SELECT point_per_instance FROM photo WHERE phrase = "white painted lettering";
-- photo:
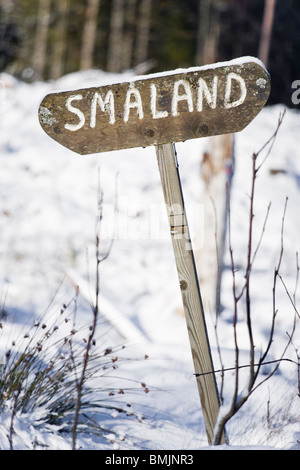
(105, 105)
(155, 114)
(211, 97)
(72, 109)
(136, 103)
(207, 93)
(233, 104)
(186, 96)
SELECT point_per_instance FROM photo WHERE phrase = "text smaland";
(133, 104)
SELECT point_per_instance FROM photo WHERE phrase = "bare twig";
(276, 273)
(245, 366)
(289, 295)
(271, 141)
(95, 309)
(254, 367)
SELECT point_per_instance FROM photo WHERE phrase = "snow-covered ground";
(47, 221)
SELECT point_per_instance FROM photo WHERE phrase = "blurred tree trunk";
(208, 31)
(203, 30)
(143, 32)
(89, 35)
(41, 37)
(59, 45)
(115, 46)
(217, 168)
(266, 31)
(128, 40)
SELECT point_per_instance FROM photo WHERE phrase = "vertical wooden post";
(192, 303)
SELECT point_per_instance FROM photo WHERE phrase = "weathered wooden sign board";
(159, 110)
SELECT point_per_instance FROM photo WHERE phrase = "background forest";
(45, 39)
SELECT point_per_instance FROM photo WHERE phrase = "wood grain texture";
(189, 286)
(152, 110)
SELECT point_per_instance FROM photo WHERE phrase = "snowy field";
(47, 221)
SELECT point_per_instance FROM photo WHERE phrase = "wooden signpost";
(158, 110)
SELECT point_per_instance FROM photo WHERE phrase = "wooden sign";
(158, 109)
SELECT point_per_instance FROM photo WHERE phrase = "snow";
(240, 61)
(47, 220)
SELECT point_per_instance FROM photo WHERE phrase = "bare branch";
(262, 234)
(237, 399)
(244, 366)
(95, 308)
(289, 295)
(271, 141)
